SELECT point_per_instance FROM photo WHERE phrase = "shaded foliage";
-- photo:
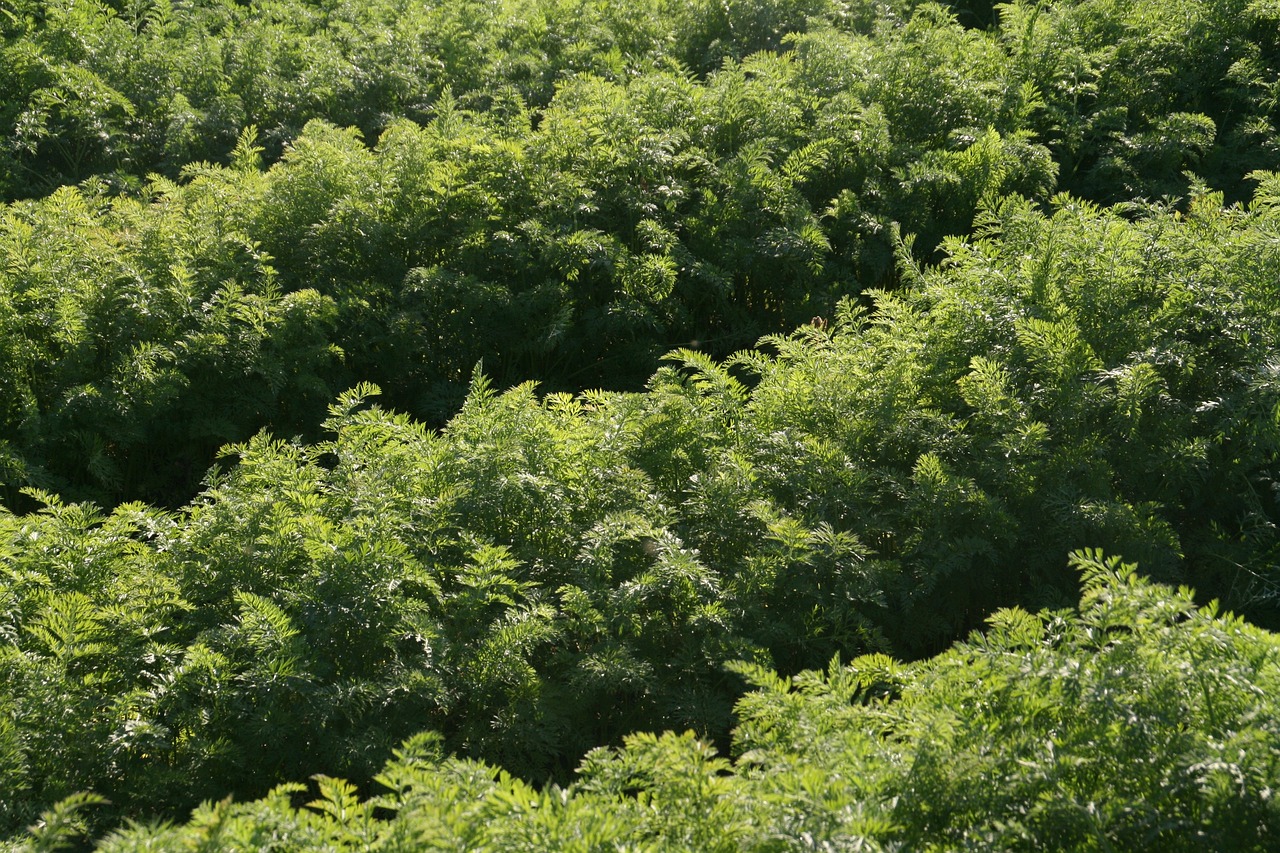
(1136, 721)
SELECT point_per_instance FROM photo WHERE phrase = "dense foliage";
(1137, 722)
(547, 575)
(564, 190)
(1131, 91)
(895, 305)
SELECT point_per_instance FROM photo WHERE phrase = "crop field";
(676, 425)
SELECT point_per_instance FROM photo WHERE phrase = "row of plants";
(571, 234)
(1131, 91)
(549, 574)
(1135, 722)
